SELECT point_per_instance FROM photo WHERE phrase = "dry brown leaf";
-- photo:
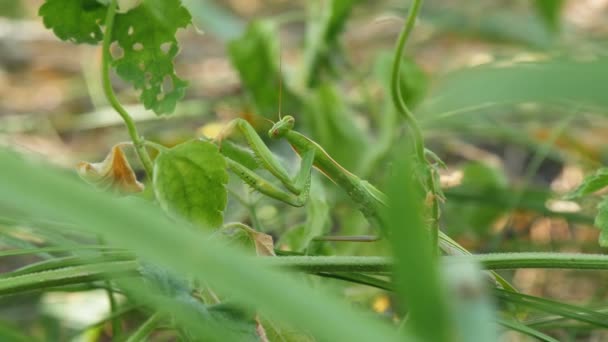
(113, 173)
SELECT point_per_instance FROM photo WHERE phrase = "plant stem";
(138, 141)
(411, 120)
(395, 79)
(494, 261)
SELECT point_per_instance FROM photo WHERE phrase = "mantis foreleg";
(263, 155)
(298, 188)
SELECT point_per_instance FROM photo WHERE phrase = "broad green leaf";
(141, 227)
(145, 35)
(549, 11)
(190, 182)
(255, 56)
(590, 184)
(601, 221)
(74, 20)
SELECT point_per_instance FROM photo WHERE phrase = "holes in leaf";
(116, 51)
(166, 47)
(138, 46)
(167, 85)
(130, 31)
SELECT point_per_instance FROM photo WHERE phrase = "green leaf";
(146, 35)
(74, 20)
(601, 221)
(189, 181)
(590, 184)
(549, 11)
(255, 57)
(326, 24)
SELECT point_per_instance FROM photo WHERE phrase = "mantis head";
(281, 127)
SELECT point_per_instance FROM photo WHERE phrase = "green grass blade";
(141, 227)
(565, 310)
(416, 275)
(524, 329)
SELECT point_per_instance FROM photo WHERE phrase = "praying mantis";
(369, 199)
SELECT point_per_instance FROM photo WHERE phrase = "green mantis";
(369, 199)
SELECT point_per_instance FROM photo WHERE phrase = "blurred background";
(507, 165)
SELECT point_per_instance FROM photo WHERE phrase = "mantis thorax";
(281, 127)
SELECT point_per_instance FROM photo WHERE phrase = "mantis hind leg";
(260, 184)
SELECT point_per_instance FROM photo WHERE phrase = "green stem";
(395, 79)
(411, 120)
(138, 141)
(494, 261)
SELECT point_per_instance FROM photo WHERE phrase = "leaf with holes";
(146, 36)
(189, 182)
(143, 40)
(74, 20)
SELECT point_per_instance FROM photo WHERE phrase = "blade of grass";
(566, 310)
(143, 228)
(416, 274)
(524, 329)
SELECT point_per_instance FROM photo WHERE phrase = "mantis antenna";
(280, 78)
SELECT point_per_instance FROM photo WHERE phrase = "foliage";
(301, 245)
